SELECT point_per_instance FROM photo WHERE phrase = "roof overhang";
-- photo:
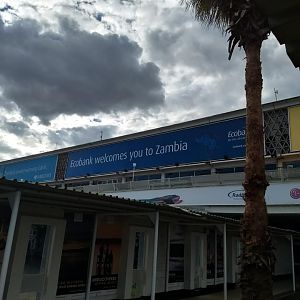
(284, 21)
(36, 194)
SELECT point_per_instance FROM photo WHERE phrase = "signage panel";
(294, 121)
(34, 170)
(276, 193)
(215, 141)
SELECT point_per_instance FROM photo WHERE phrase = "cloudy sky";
(71, 71)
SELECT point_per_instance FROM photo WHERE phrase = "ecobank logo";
(236, 133)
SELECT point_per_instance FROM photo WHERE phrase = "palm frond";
(241, 19)
(214, 13)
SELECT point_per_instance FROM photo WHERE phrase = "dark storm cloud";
(18, 128)
(187, 43)
(8, 105)
(80, 135)
(47, 74)
(197, 48)
(203, 51)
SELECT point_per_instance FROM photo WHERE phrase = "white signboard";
(277, 193)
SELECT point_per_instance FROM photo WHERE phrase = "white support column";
(168, 259)
(89, 279)
(225, 260)
(293, 264)
(9, 241)
(153, 283)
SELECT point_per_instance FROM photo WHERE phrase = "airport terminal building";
(183, 159)
(62, 238)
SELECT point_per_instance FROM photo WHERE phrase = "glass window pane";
(139, 250)
(37, 249)
(202, 172)
(5, 213)
(76, 253)
(176, 255)
(106, 263)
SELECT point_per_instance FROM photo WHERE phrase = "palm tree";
(248, 28)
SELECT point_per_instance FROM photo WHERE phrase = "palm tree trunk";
(257, 257)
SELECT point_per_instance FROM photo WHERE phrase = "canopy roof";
(104, 204)
(284, 19)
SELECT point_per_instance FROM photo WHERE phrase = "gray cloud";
(214, 84)
(47, 74)
(278, 71)
(80, 135)
(188, 43)
(18, 128)
(6, 151)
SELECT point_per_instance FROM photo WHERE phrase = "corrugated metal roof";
(37, 193)
(284, 20)
(41, 194)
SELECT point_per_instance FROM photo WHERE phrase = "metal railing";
(190, 181)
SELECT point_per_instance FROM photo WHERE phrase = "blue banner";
(216, 141)
(33, 170)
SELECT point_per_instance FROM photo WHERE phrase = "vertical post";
(225, 260)
(9, 241)
(167, 259)
(293, 264)
(133, 169)
(90, 269)
(153, 283)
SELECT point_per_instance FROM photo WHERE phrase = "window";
(202, 172)
(75, 254)
(139, 250)
(187, 173)
(141, 177)
(106, 263)
(270, 167)
(172, 175)
(239, 169)
(5, 213)
(155, 176)
(224, 170)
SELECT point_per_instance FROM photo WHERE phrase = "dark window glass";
(141, 177)
(292, 165)
(172, 175)
(270, 167)
(187, 173)
(202, 172)
(224, 170)
(75, 254)
(139, 250)
(5, 213)
(155, 176)
(36, 249)
(239, 169)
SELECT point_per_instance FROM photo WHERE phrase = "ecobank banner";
(35, 170)
(277, 193)
(202, 143)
